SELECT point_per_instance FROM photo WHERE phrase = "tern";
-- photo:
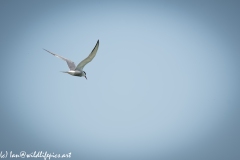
(78, 71)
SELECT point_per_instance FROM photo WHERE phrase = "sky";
(163, 85)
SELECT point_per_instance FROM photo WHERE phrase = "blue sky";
(163, 85)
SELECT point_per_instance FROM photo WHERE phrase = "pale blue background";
(164, 84)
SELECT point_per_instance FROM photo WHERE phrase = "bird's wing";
(71, 64)
(81, 65)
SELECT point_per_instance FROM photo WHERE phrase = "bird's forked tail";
(64, 71)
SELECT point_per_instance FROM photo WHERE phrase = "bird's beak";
(86, 77)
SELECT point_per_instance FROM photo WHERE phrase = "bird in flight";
(78, 71)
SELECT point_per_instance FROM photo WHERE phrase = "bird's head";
(85, 74)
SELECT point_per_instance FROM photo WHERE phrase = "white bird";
(78, 71)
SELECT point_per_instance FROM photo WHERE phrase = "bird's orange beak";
(86, 77)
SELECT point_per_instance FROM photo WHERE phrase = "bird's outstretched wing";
(71, 64)
(81, 65)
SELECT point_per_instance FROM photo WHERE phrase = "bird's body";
(78, 71)
(75, 73)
